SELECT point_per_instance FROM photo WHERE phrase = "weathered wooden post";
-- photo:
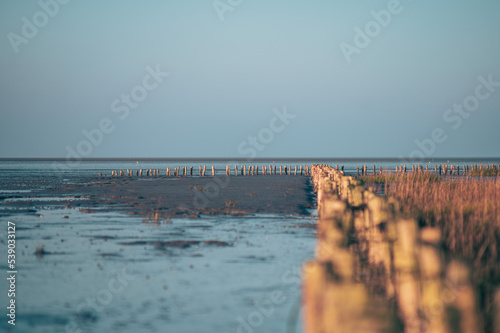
(213, 170)
(463, 297)
(281, 171)
(295, 171)
(190, 170)
(244, 170)
(431, 271)
(301, 170)
(406, 271)
(204, 170)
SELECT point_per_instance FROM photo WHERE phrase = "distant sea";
(86, 168)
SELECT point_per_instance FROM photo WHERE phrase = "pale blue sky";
(226, 77)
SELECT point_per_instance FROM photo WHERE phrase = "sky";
(249, 79)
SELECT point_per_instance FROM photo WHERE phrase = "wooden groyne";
(376, 271)
(438, 169)
(243, 170)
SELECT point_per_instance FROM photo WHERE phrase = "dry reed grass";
(466, 209)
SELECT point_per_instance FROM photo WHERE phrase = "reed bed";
(466, 209)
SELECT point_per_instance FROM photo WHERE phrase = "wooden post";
(204, 170)
(200, 171)
(256, 170)
(281, 171)
(380, 170)
(295, 171)
(285, 170)
(374, 169)
(275, 169)
(191, 171)
(301, 170)
(235, 170)
(244, 170)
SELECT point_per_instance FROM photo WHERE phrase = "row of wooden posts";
(441, 169)
(376, 271)
(244, 170)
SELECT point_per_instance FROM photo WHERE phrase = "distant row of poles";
(253, 170)
(441, 169)
(243, 170)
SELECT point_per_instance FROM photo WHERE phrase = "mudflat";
(165, 197)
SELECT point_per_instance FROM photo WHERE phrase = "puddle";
(15, 191)
(37, 199)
